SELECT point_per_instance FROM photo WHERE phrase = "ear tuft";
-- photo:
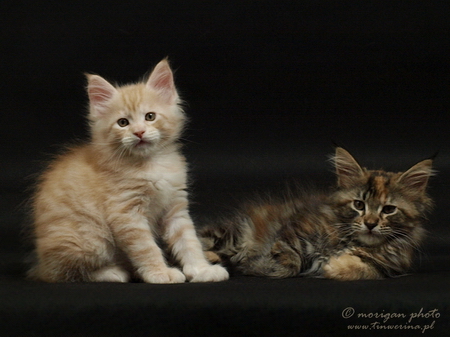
(417, 176)
(100, 93)
(348, 170)
(161, 80)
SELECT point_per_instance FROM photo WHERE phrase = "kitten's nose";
(139, 134)
(370, 225)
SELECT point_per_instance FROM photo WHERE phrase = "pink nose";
(139, 134)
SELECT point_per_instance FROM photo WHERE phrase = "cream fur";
(100, 207)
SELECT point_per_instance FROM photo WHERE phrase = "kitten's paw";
(212, 257)
(111, 274)
(168, 275)
(348, 267)
(206, 273)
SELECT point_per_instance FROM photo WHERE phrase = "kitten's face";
(135, 120)
(376, 211)
(380, 206)
(139, 122)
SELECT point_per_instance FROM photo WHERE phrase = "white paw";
(167, 275)
(111, 274)
(206, 273)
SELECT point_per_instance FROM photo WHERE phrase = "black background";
(269, 86)
(278, 80)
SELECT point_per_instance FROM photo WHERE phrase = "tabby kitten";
(367, 228)
(101, 207)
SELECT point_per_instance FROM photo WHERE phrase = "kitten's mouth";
(142, 143)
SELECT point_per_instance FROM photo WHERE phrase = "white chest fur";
(153, 186)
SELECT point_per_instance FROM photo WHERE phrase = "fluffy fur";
(101, 208)
(366, 228)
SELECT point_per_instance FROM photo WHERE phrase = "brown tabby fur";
(367, 228)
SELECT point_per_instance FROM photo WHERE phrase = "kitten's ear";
(161, 80)
(348, 170)
(417, 176)
(100, 92)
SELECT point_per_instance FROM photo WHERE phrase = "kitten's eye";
(359, 205)
(123, 122)
(389, 209)
(150, 116)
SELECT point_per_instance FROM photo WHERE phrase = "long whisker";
(404, 239)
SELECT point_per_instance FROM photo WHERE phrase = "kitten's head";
(382, 206)
(136, 119)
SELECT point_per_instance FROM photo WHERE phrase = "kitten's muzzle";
(139, 134)
(371, 225)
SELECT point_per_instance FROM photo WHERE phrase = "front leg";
(184, 244)
(348, 267)
(134, 237)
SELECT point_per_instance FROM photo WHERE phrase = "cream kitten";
(101, 207)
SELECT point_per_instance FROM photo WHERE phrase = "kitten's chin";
(370, 239)
(143, 149)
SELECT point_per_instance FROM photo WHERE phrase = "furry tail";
(232, 243)
(220, 240)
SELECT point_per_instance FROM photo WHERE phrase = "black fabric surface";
(243, 306)
(269, 86)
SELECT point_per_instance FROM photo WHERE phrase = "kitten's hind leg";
(110, 274)
(68, 259)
